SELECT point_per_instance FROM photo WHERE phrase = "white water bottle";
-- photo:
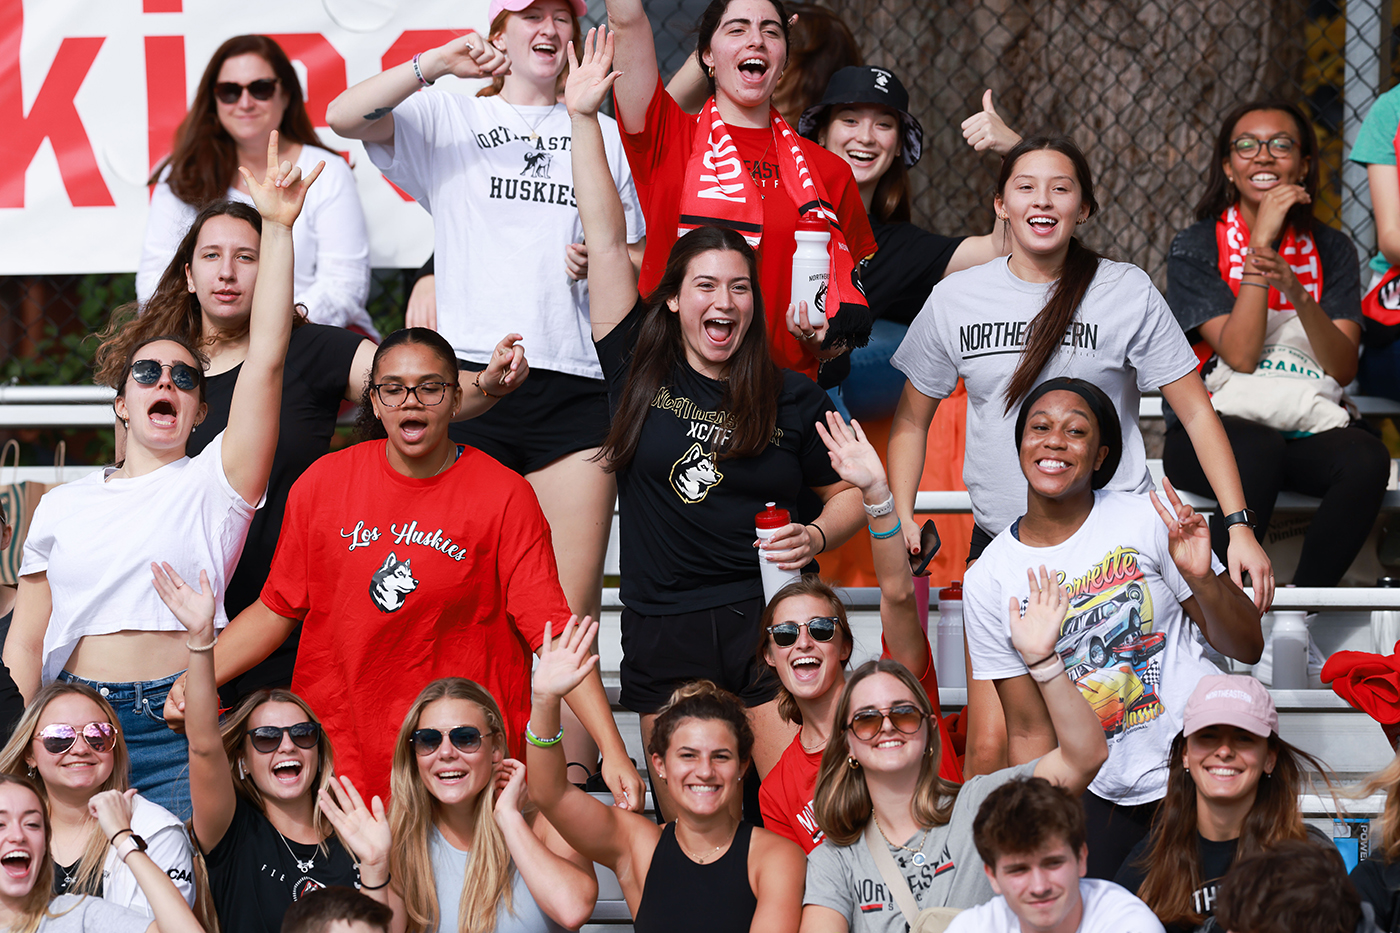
(811, 267)
(952, 672)
(1385, 623)
(1290, 644)
(766, 524)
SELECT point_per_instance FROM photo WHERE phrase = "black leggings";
(1348, 468)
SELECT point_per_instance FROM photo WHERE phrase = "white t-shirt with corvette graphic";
(1126, 641)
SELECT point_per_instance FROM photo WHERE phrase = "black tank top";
(681, 896)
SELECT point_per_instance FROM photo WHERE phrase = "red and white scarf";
(1299, 251)
(719, 192)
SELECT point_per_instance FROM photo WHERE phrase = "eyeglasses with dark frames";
(1280, 147)
(394, 394)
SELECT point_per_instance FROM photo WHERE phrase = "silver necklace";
(535, 127)
(302, 866)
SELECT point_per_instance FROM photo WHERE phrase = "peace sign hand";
(1188, 534)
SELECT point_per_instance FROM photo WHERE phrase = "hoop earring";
(852, 763)
(711, 71)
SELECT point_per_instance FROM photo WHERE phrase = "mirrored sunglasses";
(822, 628)
(59, 737)
(183, 375)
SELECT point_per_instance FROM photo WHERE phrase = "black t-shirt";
(11, 701)
(687, 520)
(1215, 859)
(909, 262)
(313, 384)
(1378, 883)
(254, 876)
(65, 875)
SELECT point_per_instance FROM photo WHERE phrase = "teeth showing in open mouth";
(451, 775)
(288, 769)
(807, 662)
(861, 156)
(1042, 222)
(1053, 464)
(1263, 178)
(544, 47)
(753, 64)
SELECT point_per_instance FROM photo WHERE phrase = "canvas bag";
(19, 501)
(927, 920)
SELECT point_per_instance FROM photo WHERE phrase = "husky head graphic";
(537, 164)
(694, 474)
(391, 583)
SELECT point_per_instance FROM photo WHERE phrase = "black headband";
(1110, 429)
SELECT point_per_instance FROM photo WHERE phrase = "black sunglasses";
(906, 718)
(822, 628)
(228, 92)
(147, 373)
(59, 737)
(268, 739)
(464, 738)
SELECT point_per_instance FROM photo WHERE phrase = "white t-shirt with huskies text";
(1126, 641)
(503, 211)
(1107, 909)
(1123, 339)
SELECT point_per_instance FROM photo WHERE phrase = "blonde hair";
(842, 801)
(1388, 780)
(36, 902)
(235, 735)
(498, 26)
(490, 874)
(13, 761)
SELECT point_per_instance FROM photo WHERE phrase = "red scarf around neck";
(719, 192)
(1300, 252)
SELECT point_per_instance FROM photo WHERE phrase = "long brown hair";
(842, 801)
(36, 902)
(1047, 329)
(205, 158)
(809, 584)
(412, 811)
(498, 26)
(13, 762)
(1220, 193)
(1172, 858)
(819, 45)
(709, 22)
(754, 382)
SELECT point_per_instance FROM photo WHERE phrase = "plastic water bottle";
(1290, 643)
(811, 267)
(766, 524)
(1385, 623)
(952, 672)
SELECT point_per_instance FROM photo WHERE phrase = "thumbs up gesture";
(987, 130)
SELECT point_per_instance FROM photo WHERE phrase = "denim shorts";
(160, 757)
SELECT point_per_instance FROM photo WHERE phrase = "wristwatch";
(132, 843)
(1242, 517)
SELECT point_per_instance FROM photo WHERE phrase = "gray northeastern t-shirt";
(450, 870)
(847, 880)
(79, 914)
(1123, 339)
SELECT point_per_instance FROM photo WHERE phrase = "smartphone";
(929, 543)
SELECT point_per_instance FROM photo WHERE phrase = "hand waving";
(592, 76)
(364, 830)
(194, 608)
(1188, 534)
(281, 193)
(852, 456)
(1034, 634)
(563, 666)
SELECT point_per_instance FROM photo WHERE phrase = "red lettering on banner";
(165, 92)
(161, 6)
(51, 117)
(325, 70)
(409, 43)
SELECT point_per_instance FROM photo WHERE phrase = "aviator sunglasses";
(906, 718)
(183, 375)
(228, 92)
(59, 737)
(464, 738)
(268, 739)
(821, 628)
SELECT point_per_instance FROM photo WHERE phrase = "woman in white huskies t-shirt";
(495, 172)
(1137, 576)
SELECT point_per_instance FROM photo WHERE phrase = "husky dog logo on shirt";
(537, 164)
(694, 474)
(391, 583)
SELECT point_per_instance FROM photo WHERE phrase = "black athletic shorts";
(660, 653)
(550, 416)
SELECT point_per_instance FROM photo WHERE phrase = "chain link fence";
(1140, 84)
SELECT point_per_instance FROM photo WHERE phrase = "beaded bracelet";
(477, 382)
(542, 743)
(882, 535)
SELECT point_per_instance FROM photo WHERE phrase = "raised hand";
(1188, 533)
(512, 795)
(469, 56)
(1034, 634)
(281, 193)
(563, 666)
(194, 608)
(852, 456)
(365, 830)
(1272, 215)
(507, 368)
(590, 77)
(112, 810)
(987, 130)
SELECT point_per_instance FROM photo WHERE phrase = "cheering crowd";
(258, 686)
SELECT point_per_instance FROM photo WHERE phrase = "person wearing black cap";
(1135, 582)
(864, 118)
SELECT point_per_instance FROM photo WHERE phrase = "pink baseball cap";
(515, 6)
(1230, 700)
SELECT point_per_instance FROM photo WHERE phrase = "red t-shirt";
(400, 581)
(785, 796)
(658, 156)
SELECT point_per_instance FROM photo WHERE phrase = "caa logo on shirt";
(693, 475)
(390, 585)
